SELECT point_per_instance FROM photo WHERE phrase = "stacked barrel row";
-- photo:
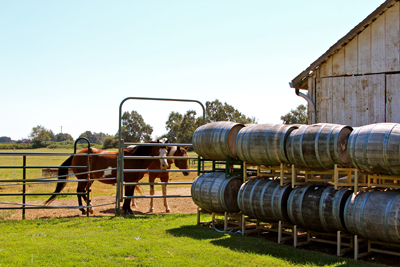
(371, 148)
(318, 146)
(318, 207)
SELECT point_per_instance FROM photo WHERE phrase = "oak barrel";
(263, 144)
(216, 140)
(375, 148)
(318, 207)
(374, 215)
(264, 199)
(318, 146)
(215, 193)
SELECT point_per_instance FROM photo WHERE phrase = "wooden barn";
(357, 81)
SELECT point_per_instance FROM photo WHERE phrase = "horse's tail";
(62, 172)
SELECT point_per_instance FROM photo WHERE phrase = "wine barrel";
(264, 199)
(318, 146)
(215, 193)
(263, 144)
(374, 215)
(216, 140)
(375, 148)
(318, 207)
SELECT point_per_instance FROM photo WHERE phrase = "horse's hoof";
(151, 210)
(168, 211)
(91, 211)
(129, 212)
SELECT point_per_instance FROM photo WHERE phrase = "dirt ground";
(176, 205)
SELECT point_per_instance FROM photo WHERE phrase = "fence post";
(23, 185)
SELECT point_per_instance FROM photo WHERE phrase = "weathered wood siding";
(359, 83)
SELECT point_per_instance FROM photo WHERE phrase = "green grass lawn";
(144, 240)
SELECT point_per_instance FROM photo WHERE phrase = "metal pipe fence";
(45, 180)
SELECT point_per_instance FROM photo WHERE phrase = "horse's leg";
(152, 177)
(164, 191)
(127, 202)
(80, 189)
(85, 199)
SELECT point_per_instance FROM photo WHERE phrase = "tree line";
(179, 128)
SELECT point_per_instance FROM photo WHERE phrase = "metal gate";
(121, 157)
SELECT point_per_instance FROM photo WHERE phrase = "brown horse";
(103, 166)
(176, 151)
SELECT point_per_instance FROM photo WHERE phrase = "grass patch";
(144, 240)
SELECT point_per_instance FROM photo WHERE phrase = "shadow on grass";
(261, 246)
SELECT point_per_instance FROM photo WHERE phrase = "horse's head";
(179, 151)
(162, 152)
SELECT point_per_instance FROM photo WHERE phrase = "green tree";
(298, 115)
(181, 127)
(40, 135)
(134, 129)
(110, 142)
(60, 137)
(173, 125)
(94, 138)
(5, 140)
(216, 111)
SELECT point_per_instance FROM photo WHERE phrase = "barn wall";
(359, 83)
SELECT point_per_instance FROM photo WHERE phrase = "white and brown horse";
(173, 151)
(103, 166)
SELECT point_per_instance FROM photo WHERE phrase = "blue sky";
(71, 63)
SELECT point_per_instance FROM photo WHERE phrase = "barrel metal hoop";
(336, 211)
(386, 220)
(239, 144)
(200, 136)
(316, 143)
(215, 132)
(272, 201)
(210, 190)
(251, 197)
(200, 186)
(346, 207)
(301, 204)
(241, 196)
(335, 145)
(290, 206)
(283, 190)
(220, 198)
(396, 222)
(352, 154)
(301, 148)
(248, 145)
(291, 150)
(262, 198)
(224, 137)
(362, 214)
(202, 142)
(266, 144)
(385, 143)
(282, 144)
(365, 149)
(321, 210)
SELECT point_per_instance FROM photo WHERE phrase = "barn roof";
(301, 80)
